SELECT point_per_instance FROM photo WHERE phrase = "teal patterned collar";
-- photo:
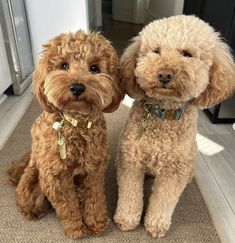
(163, 113)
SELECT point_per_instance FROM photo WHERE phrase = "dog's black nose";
(77, 89)
(165, 76)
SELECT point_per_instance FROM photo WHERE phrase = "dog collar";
(59, 127)
(152, 109)
(74, 122)
(163, 113)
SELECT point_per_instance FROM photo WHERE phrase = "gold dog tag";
(71, 120)
(62, 147)
(89, 124)
(143, 125)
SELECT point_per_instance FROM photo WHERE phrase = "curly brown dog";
(75, 82)
(174, 66)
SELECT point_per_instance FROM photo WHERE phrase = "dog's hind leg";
(30, 198)
(17, 167)
(130, 197)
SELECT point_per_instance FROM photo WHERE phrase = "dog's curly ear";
(39, 75)
(127, 70)
(114, 73)
(118, 92)
(222, 78)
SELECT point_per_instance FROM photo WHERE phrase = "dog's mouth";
(78, 106)
(165, 86)
(163, 91)
(78, 99)
(87, 103)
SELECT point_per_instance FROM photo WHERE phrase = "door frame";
(139, 11)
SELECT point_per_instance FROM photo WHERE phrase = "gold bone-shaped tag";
(142, 126)
(62, 147)
(71, 120)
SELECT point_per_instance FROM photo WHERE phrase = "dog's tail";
(17, 167)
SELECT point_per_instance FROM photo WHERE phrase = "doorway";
(123, 19)
(118, 23)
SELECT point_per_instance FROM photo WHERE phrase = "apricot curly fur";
(204, 75)
(17, 168)
(74, 186)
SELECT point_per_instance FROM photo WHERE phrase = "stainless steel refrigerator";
(13, 20)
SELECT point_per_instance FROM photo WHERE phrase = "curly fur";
(167, 150)
(74, 186)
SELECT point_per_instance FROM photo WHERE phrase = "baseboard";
(12, 109)
(2, 98)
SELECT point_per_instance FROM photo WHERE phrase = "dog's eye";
(157, 51)
(94, 69)
(64, 66)
(186, 53)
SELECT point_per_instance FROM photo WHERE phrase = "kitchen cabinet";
(220, 15)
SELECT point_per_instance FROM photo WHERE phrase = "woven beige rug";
(191, 221)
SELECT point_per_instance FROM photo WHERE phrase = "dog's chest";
(166, 153)
(77, 144)
(84, 146)
(86, 150)
(163, 143)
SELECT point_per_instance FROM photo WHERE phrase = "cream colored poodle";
(174, 66)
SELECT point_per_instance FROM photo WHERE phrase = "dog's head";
(179, 58)
(78, 73)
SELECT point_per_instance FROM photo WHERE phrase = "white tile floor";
(215, 167)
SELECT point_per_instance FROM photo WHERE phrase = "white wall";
(48, 18)
(164, 8)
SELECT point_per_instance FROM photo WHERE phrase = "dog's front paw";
(125, 223)
(157, 227)
(74, 230)
(98, 225)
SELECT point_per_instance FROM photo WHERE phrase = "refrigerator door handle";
(15, 57)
